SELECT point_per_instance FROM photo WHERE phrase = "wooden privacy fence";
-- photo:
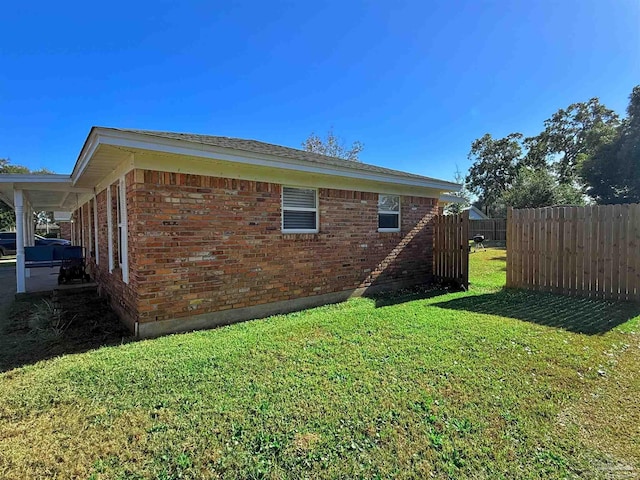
(494, 229)
(451, 248)
(589, 251)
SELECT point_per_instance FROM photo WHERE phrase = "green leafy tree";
(7, 215)
(571, 135)
(538, 187)
(494, 168)
(7, 167)
(612, 172)
(332, 146)
(464, 195)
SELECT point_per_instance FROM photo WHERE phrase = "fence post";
(509, 246)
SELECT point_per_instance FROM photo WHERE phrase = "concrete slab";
(39, 279)
(42, 279)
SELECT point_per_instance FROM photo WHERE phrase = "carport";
(26, 194)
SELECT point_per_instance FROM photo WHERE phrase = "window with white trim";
(123, 251)
(388, 213)
(110, 228)
(90, 227)
(119, 222)
(299, 210)
(95, 230)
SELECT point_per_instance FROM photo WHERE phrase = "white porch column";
(31, 241)
(18, 201)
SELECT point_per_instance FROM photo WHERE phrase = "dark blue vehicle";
(8, 242)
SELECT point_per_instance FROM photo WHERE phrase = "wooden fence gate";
(591, 251)
(451, 249)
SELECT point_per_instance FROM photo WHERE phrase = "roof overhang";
(131, 142)
(43, 192)
(109, 152)
(448, 198)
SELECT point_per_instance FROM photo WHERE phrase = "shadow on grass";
(579, 315)
(31, 333)
(409, 295)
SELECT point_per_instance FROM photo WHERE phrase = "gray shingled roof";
(255, 146)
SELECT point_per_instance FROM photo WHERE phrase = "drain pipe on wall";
(136, 329)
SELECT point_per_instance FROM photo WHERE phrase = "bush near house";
(481, 384)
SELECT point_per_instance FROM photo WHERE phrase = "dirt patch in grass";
(34, 330)
(49, 446)
(305, 442)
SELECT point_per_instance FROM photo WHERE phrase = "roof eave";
(447, 198)
(108, 136)
(34, 178)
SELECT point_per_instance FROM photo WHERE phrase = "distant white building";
(475, 213)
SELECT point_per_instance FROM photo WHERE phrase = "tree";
(538, 187)
(332, 146)
(612, 172)
(7, 215)
(571, 135)
(463, 194)
(495, 164)
(6, 167)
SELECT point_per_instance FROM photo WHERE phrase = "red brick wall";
(204, 244)
(65, 230)
(123, 296)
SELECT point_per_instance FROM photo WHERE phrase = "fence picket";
(608, 261)
(553, 248)
(464, 249)
(635, 243)
(588, 275)
(615, 251)
(548, 222)
(509, 247)
(623, 254)
(572, 248)
(579, 269)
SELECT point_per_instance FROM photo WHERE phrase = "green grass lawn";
(481, 384)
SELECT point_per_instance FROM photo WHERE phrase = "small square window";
(299, 210)
(389, 213)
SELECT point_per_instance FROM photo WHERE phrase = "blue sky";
(417, 82)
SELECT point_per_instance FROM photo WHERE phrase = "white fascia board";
(31, 178)
(62, 216)
(88, 149)
(51, 187)
(451, 198)
(179, 147)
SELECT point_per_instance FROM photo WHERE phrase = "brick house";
(191, 231)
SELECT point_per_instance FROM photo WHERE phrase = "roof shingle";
(258, 147)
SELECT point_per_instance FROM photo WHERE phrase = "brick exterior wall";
(123, 297)
(200, 244)
(65, 230)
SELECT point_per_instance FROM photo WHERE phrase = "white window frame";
(95, 229)
(80, 227)
(110, 227)
(390, 212)
(299, 209)
(89, 230)
(123, 233)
